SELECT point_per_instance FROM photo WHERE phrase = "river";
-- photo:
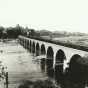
(19, 64)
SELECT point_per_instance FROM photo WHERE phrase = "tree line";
(14, 32)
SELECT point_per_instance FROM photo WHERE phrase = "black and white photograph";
(43, 43)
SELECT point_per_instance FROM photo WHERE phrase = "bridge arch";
(30, 46)
(76, 68)
(49, 62)
(43, 59)
(59, 63)
(37, 49)
(27, 44)
(33, 47)
(24, 43)
(50, 53)
(43, 51)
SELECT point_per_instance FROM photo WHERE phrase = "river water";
(19, 64)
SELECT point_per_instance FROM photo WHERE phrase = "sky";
(53, 15)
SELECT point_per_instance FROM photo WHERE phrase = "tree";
(1, 31)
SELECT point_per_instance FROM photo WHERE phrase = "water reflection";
(42, 64)
(49, 68)
(69, 79)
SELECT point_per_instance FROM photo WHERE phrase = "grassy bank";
(37, 84)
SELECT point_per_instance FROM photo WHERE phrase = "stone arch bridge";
(60, 60)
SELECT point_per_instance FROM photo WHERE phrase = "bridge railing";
(70, 45)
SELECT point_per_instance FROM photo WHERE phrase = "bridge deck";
(70, 45)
